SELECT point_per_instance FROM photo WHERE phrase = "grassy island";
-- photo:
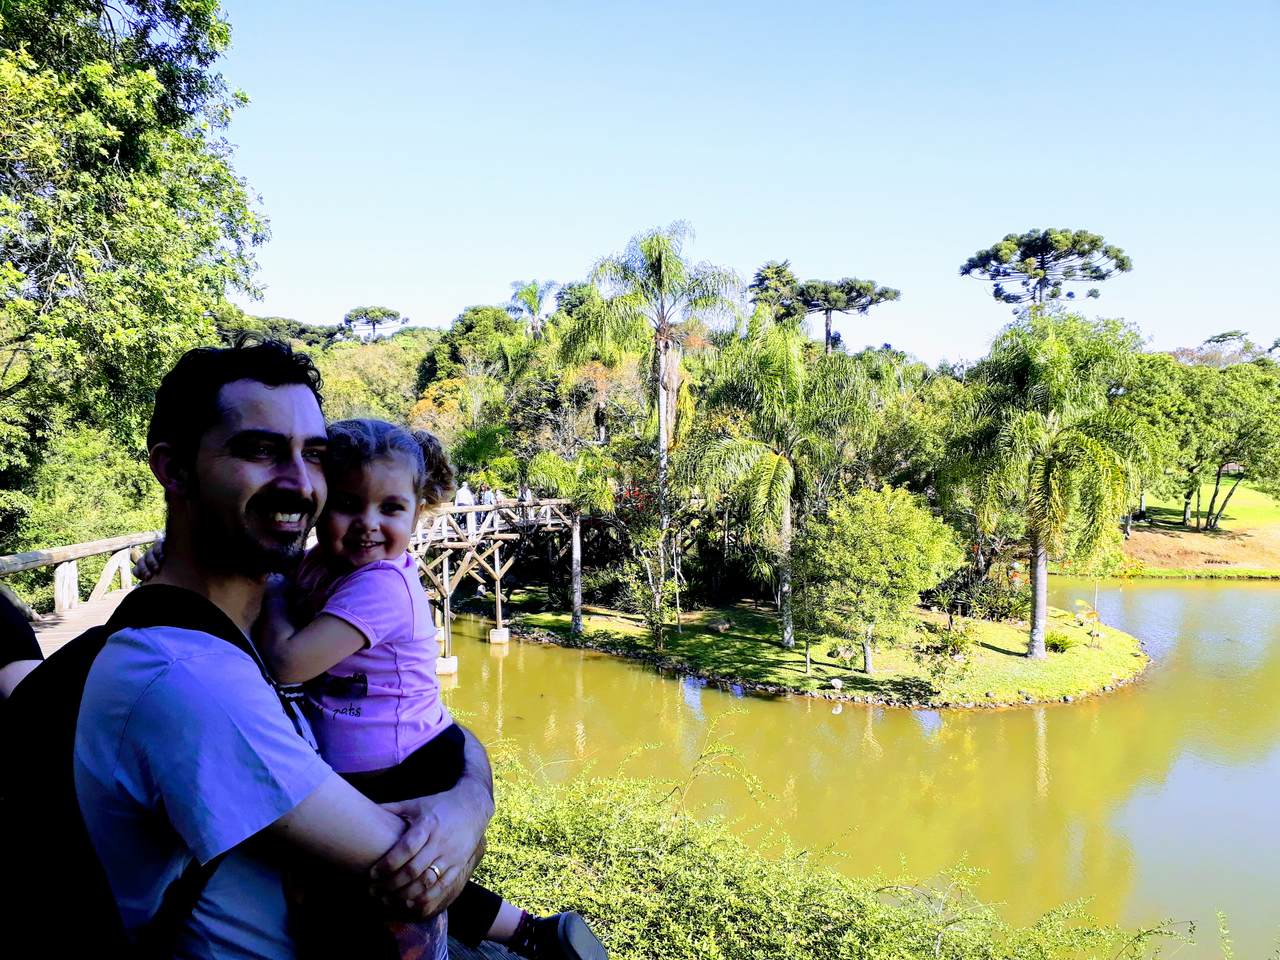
(740, 646)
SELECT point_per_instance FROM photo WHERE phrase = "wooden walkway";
(54, 631)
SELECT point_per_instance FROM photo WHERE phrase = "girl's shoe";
(562, 936)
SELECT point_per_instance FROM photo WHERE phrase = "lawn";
(1249, 508)
(748, 652)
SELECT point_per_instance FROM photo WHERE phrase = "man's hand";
(446, 831)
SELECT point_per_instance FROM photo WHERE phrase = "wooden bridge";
(451, 544)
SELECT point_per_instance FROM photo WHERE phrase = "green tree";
(841, 296)
(587, 480)
(475, 336)
(652, 291)
(774, 284)
(305, 335)
(1044, 435)
(1245, 437)
(375, 378)
(529, 299)
(794, 414)
(123, 226)
(863, 566)
(1040, 262)
(371, 318)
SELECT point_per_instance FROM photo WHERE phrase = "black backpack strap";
(157, 940)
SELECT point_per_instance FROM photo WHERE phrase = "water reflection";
(1156, 800)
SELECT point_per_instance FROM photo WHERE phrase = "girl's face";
(371, 512)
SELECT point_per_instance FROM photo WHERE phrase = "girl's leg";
(473, 915)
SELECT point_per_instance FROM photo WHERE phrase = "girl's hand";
(148, 565)
(273, 625)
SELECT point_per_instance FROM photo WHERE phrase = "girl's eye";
(392, 507)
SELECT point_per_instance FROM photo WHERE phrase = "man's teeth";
(286, 517)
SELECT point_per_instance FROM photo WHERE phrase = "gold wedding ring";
(434, 869)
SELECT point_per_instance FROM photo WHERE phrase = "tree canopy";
(1034, 267)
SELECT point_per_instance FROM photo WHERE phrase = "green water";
(1158, 801)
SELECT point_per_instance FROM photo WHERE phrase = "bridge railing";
(469, 524)
(450, 526)
(66, 573)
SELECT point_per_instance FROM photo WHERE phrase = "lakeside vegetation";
(700, 891)
(739, 647)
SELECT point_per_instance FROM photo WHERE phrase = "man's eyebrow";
(251, 436)
(271, 436)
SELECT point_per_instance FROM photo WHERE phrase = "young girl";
(366, 654)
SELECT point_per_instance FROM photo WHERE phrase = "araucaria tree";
(1033, 267)
(371, 318)
(1044, 436)
(652, 291)
(842, 296)
(863, 566)
(794, 415)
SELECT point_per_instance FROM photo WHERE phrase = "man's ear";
(169, 469)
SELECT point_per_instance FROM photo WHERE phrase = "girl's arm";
(296, 656)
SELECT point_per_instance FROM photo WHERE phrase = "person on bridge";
(488, 499)
(466, 498)
(154, 760)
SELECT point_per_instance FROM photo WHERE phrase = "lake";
(1158, 801)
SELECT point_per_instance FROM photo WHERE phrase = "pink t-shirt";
(383, 702)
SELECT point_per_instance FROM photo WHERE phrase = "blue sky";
(424, 155)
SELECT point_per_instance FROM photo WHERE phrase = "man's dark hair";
(187, 401)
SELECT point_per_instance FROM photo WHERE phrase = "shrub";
(990, 600)
(658, 883)
(1058, 642)
(947, 640)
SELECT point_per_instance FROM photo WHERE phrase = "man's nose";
(298, 474)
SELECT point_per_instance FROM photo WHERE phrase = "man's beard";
(234, 548)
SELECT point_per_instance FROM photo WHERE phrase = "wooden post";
(497, 585)
(446, 611)
(66, 586)
(499, 634)
(575, 624)
(446, 663)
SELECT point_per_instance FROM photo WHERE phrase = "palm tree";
(797, 415)
(528, 299)
(849, 295)
(1045, 436)
(652, 293)
(587, 481)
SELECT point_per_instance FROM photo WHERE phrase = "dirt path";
(1170, 547)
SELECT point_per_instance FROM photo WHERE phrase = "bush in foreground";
(658, 883)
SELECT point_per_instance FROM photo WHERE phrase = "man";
(465, 497)
(183, 752)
